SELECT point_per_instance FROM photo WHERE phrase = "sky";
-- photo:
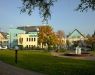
(63, 17)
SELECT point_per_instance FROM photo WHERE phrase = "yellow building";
(28, 40)
(3, 39)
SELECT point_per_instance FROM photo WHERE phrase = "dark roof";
(77, 31)
(4, 34)
(28, 28)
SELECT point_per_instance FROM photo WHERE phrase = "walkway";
(6, 69)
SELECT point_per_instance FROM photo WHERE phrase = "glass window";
(29, 46)
(27, 39)
(34, 39)
(22, 39)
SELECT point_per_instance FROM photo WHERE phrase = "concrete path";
(6, 69)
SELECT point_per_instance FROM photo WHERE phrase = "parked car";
(3, 47)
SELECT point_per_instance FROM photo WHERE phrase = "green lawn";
(43, 62)
(93, 52)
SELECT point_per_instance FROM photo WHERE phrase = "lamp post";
(37, 36)
(16, 53)
(10, 39)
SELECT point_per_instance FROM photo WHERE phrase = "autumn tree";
(47, 36)
(44, 6)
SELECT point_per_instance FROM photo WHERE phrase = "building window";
(27, 39)
(26, 46)
(29, 46)
(21, 40)
(34, 39)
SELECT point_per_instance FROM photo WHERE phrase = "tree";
(91, 41)
(61, 36)
(44, 31)
(68, 43)
(44, 6)
(86, 4)
(47, 36)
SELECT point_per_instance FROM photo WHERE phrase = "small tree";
(91, 41)
(61, 36)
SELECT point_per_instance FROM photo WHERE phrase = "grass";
(92, 52)
(43, 62)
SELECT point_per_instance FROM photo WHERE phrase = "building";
(13, 37)
(29, 40)
(23, 36)
(3, 39)
(76, 37)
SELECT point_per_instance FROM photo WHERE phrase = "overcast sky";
(64, 17)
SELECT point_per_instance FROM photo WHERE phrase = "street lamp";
(37, 36)
(16, 52)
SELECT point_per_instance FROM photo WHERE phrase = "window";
(26, 46)
(29, 46)
(21, 40)
(27, 39)
(34, 39)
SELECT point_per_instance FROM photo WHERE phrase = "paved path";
(6, 69)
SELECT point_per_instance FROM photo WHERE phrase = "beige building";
(28, 40)
(3, 39)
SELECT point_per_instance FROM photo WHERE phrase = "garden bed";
(82, 54)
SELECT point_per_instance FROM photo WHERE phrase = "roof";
(28, 28)
(74, 31)
(31, 28)
(4, 34)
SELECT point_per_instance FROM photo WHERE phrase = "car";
(3, 47)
